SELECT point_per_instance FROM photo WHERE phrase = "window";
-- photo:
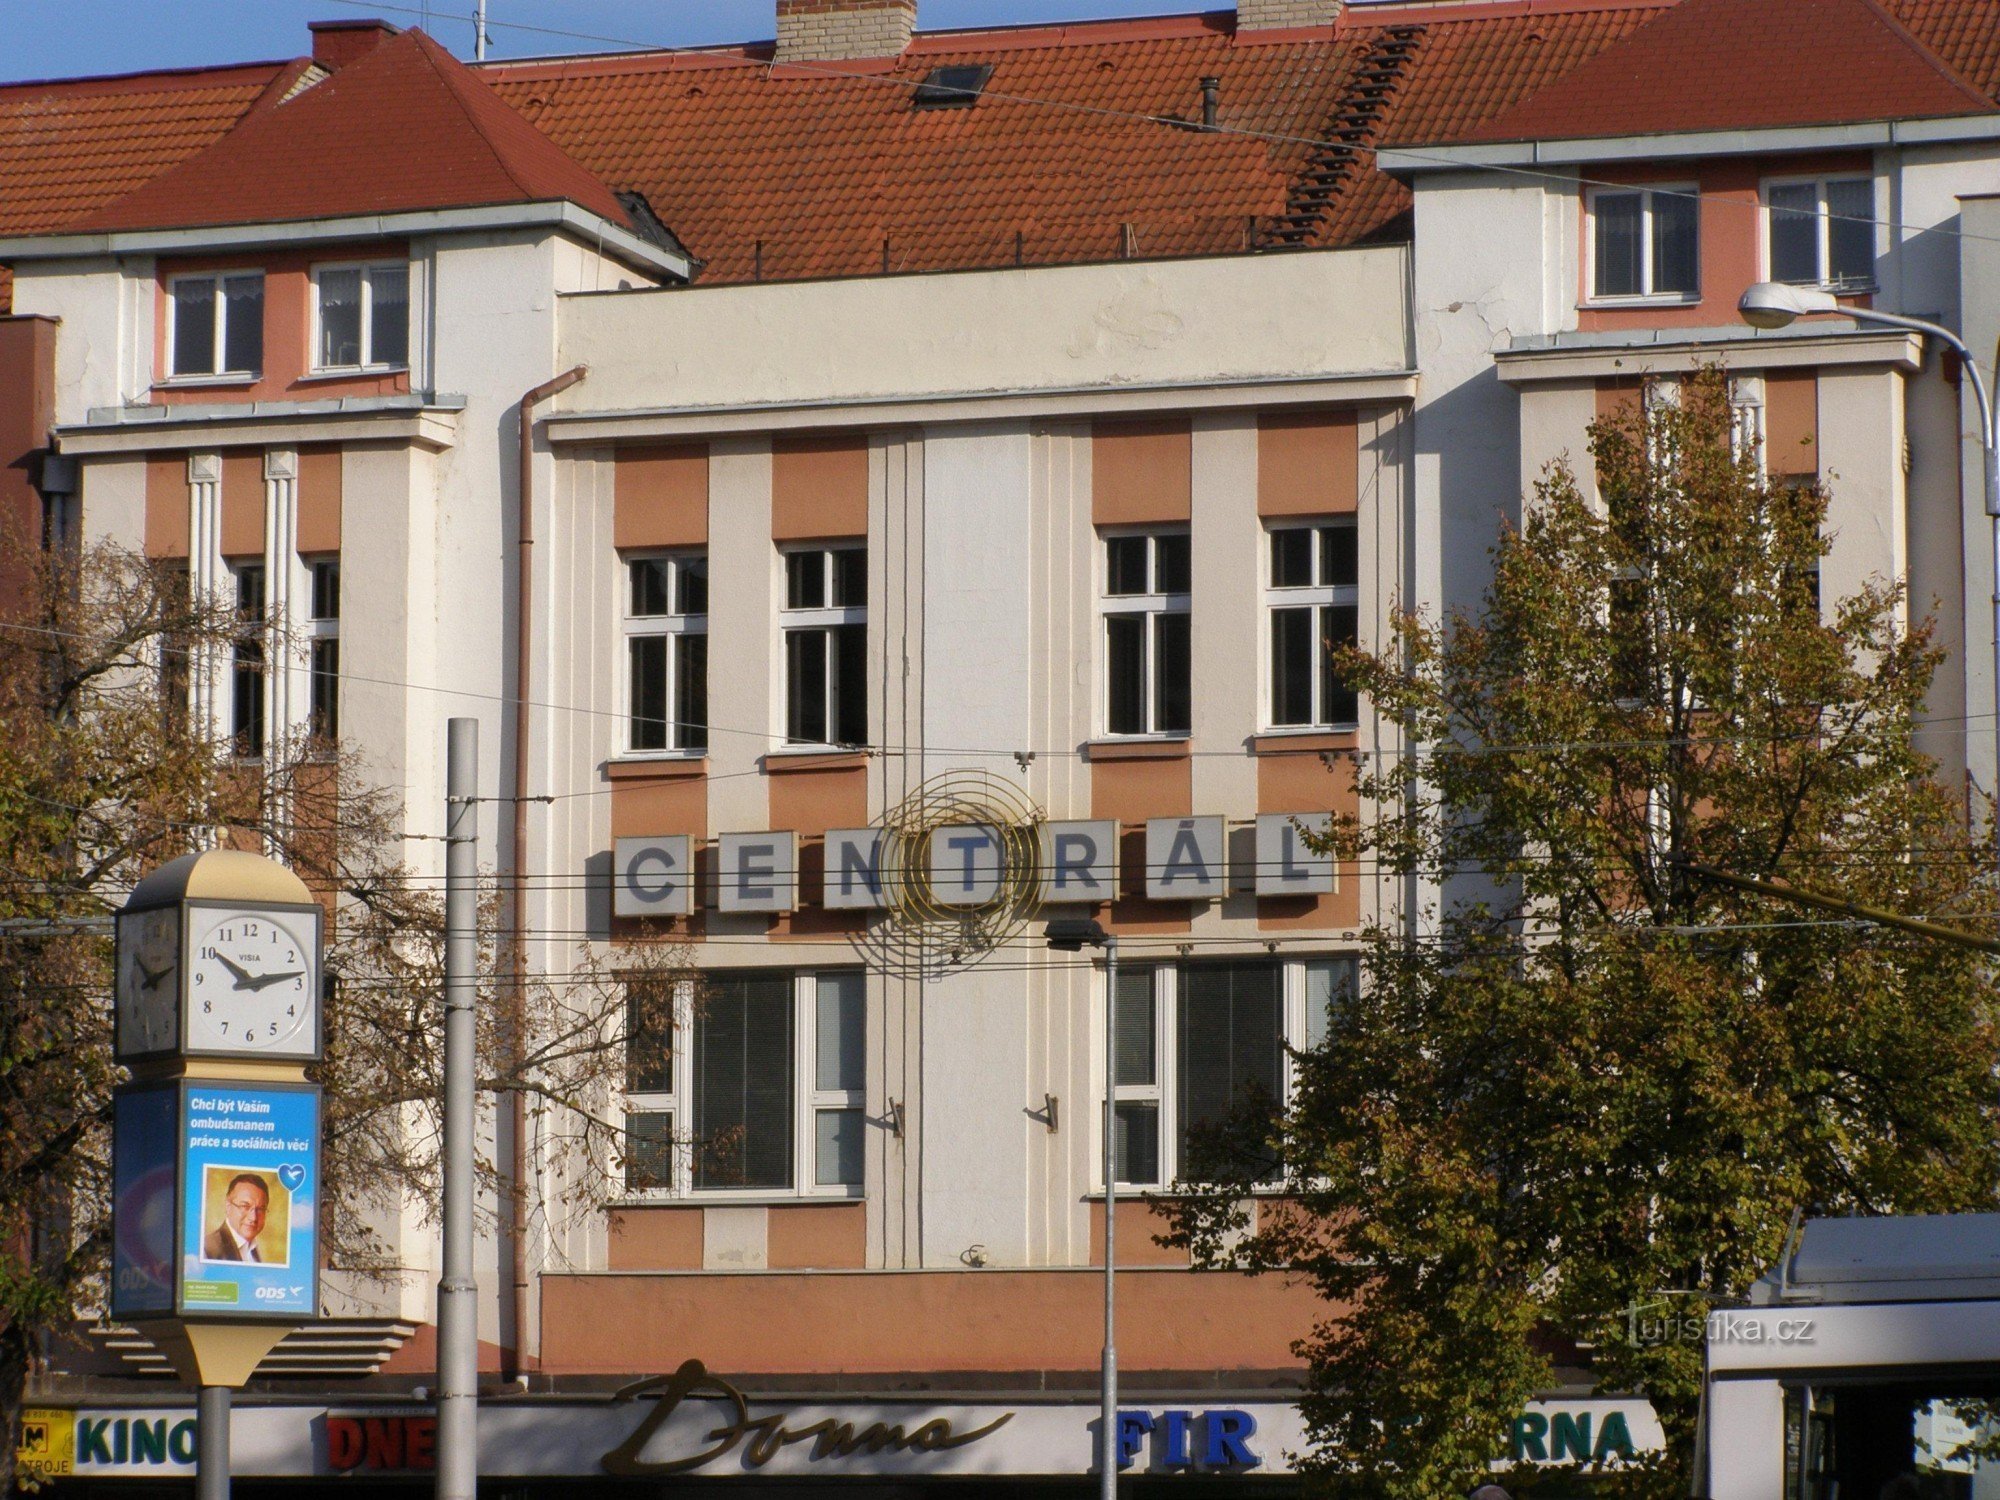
(175, 648)
(363, 316)
(216, 324)
(1644, 242)
(1200, 1043)
(765, 1096)
(1822, 233)
(666, 652)
(825, 625)
(323, 709)
(1147, 665)
(246, 665)
(1312, 602)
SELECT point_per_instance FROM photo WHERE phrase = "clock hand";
(149, 979)
(242, 974)
(264, 981)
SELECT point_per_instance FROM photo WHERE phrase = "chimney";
(1275, 15)
(830, 30)
(338, 43)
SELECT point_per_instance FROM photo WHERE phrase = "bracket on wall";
(1047, 1114)
(893, 1118)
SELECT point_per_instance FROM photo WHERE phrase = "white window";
(215, 324)
(1148, 665)
(323, 706)
(247, 663)
(1202, 1043)
(756, 1087)
(1644, 242)
(361, 317)
(1312, 602)
(1821, 232)
(825, 624)
(666, 652)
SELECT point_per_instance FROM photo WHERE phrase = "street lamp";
(1773, 304)
(1073, 935)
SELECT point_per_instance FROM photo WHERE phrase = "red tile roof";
(1964, 36)
(72, 146)
(1745, 65)
(344, 146)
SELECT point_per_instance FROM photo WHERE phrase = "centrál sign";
(1076, 861)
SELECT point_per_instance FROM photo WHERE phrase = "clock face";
(253, 980)
(149, 981)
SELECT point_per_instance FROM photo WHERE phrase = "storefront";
(696, 1430)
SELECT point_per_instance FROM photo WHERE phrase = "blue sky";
(122, 36)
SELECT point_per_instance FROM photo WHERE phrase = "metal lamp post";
(1073, 935)
(1773, 304)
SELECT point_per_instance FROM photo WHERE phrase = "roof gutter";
(517, 917)
(594, 229)
(1458, 156)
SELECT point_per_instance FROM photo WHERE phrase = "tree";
(1579, 1079)
(105, 773)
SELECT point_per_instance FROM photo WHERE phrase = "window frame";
(828, 620)
(366, 365)
(322, 640)
(1822, 230)
(1646, 296)
(1152, 607)
(250, 656)
(807, 1101)
(218, 371)
(1298, 1034)
(1317, 596)
(674, 626)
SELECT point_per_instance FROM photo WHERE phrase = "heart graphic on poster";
(291, 1174)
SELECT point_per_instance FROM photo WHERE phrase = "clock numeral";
(225, 1027)
(209, 951)
(200, 978)
(249, 929)
(207, 1006)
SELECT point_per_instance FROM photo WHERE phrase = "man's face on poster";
(244, 1208)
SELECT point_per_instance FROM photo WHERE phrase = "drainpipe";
(517, 924)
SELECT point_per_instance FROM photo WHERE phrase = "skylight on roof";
(953, 86)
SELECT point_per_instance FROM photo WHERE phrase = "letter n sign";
(652, 877)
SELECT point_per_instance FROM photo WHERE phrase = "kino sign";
(1187, 859)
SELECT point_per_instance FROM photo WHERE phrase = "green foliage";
(1579, 1076)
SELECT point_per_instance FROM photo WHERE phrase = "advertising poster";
(144, 1142)
(249, 1237)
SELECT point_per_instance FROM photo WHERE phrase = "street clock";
(219, 956)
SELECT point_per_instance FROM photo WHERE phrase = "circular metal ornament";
(924, 933)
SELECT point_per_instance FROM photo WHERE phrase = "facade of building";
(971, 434)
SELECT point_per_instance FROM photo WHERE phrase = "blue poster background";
(144, 1142)
(230, 1132)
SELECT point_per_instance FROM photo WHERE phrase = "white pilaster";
(208, 581)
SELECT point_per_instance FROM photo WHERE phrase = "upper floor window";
(323, 707)
(1201, 1044)
(825, 623)
(216, 324)
(758, 1086)
(666, 652)
(362, 316)
(1822, 232)
(1147, 646)
(1313, 603)
(1644, 242)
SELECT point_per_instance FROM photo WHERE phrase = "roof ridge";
(1922, 49)
(425, 46)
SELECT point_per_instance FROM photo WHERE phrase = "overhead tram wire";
(730, 53)
(1941, 724)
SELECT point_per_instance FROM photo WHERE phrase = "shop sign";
(125, 1444)
(1187, 859)
(1585, 1431)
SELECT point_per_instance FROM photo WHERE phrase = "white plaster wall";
(114, 502)
(1555, 424)
(1335, 312)
(1861, 464)
(1489, 263)
(1979, 270)
(1227, 639)
(100, 342)
(977, 667)
(743, 687)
